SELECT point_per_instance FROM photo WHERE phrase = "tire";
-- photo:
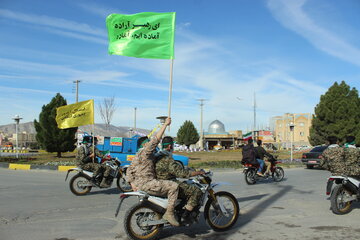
(76, 182)
(278, 174)
(180, 164)
(309, 166)
(212, 208)
(135, 215)
(337, 205)
(123, 185)
(250, 176)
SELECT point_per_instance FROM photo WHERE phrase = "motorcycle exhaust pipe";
(349, 186)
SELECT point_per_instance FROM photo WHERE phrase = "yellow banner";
(74, 115)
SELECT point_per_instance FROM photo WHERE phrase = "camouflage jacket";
(142, 168)
(167, 169)
(352, 160)
(333, 160)
(84, 152)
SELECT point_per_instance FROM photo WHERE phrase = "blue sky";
(288, 52)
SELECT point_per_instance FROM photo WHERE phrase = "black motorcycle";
(83, 181)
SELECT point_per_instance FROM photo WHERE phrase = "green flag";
(142, 35)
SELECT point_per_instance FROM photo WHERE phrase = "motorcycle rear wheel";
(138, 214)
(214, 216)
(338, 206)
(250, 176)
(278, 174)
(123, 185)
(76, 183)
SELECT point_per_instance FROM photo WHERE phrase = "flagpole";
(170, 88)
(93, 142)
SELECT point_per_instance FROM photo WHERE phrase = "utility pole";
(135, 119)
(201, 100)
(77, 89)
(254, 115)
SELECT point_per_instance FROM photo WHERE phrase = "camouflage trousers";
(106, 169)
(190, 193)
(161, 188)
(96, 168)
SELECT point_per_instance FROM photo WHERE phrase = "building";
(217, 137)
(301, 123)
(24, 139)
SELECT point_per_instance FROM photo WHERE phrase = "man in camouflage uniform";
(86, 160)
(352, 157)
(167, 169)
(333, 157)
(141, 174)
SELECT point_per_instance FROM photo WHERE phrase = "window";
(301, 124)
(302, 133)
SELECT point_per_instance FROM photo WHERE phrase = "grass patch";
(215, 159)
(232, 159)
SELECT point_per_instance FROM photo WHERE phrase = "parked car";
(313, 157)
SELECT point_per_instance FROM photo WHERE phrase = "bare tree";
(107, 108)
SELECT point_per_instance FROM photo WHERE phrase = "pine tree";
(48, 135)
(337, 114)
(187, 134)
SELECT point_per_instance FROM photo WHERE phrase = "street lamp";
(162, 119)
(291, 125)
(17, 121)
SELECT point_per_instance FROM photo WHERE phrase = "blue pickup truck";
(125, 149)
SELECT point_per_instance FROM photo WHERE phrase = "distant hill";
(99, 129)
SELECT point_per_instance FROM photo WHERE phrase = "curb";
(15, 166)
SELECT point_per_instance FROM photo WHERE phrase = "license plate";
(312, 162)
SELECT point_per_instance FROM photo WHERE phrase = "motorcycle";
(83, 181)
(143, 221)
(343, 191)
(276, 172)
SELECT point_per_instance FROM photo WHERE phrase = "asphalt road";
(38, 205)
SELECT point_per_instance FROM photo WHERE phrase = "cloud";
(97, 9)
(292, 15)
(58, 23)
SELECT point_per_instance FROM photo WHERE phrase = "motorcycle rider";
(141, 174)
(86, 160)
(260, 153)
(333, 157)
(248, 153)
(352, 158)
(167, 169)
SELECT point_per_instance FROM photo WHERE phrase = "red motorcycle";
(276, 172)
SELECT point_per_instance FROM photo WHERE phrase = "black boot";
(186, 217)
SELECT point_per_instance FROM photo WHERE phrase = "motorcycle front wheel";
(214, 216)
(79, 185)
(278, 174)
(136, 216)
(123, 185)
(250, 176)
(339, 205)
